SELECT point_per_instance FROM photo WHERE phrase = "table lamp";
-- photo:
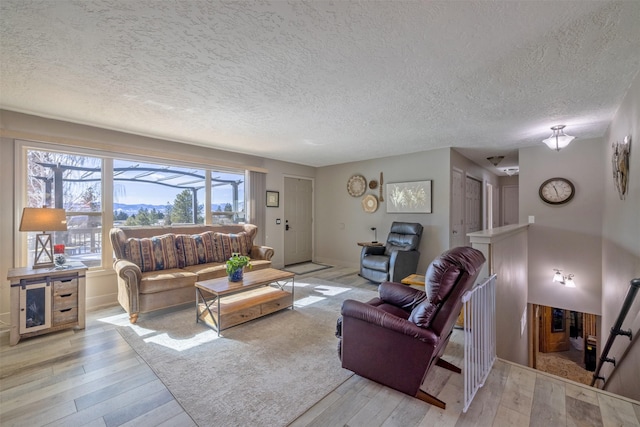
(43, 220)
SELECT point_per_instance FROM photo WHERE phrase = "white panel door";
(473, 206)
(297, 220)
(457, 237)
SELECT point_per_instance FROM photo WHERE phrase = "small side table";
(414, 279)
(44, 300)
(366, 244)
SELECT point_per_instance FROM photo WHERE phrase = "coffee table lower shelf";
(243, 307)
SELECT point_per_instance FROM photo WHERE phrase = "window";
(141, 193)
(227, 197)
(153, 194)
(73, 183)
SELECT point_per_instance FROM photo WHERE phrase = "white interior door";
(457, 237)
(298, 220)
(510, 214)
(473, 206)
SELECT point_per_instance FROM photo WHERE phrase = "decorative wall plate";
(370, 203)
(356, 186)
(373, 184)
(620, 165)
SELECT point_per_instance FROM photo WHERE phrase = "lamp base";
(44, 252)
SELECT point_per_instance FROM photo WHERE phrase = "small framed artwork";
(273, 199)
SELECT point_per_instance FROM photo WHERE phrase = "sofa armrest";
(261, 252)
(376, 316)
(129, 277)
(401, 295)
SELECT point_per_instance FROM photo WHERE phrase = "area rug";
(305, 267)
(266, 372)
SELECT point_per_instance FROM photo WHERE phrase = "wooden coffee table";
(222, 304)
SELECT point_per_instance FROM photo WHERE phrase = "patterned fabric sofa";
(157, 267)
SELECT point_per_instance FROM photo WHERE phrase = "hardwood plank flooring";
(92, 377)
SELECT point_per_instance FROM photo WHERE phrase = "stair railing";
(479, 312)
(616, 330)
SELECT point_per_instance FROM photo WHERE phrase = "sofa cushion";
(154, 253)
(208, 271)
(228, 244)
(160, 281)
(195, 249)
(423, 313)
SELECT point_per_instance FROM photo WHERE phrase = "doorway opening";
(566, 343)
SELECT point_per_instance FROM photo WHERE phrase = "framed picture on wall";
(409, 197)
(273, 199)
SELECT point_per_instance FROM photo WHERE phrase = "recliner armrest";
(374, 315)
(401, 295)
(372, 250)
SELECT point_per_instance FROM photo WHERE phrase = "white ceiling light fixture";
(558, 139)
(495, 160)
(511, 171)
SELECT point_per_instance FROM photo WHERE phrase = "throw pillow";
(228, 244)
(154, 253)
(195, 249)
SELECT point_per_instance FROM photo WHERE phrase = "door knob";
(286, 227)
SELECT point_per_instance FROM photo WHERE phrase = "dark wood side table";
(370, 244)
(44, 300)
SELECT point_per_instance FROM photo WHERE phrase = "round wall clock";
(557, 191)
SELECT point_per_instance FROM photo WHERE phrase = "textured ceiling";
(322, 82)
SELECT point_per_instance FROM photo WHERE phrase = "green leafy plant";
(237, 262)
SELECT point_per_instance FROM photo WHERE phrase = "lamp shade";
(558, 140)
(43, 219)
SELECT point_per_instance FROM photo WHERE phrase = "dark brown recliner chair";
(394, 339)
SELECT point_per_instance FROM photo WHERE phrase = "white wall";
(565, 236)
(341, 222)
(621, 248)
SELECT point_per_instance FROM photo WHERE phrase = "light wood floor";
(92, 377)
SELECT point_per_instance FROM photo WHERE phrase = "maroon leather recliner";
(394, 339)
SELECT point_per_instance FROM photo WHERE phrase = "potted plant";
(236, 265)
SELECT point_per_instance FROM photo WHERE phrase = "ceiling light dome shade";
(558, 139)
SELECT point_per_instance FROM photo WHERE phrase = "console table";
(44, 300)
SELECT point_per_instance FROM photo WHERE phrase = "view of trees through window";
(72, 183)
(144, 194)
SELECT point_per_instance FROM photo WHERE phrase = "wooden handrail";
(634, 285)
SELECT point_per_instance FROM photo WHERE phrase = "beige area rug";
(305, 267)
(266, 372)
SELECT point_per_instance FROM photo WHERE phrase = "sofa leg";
(450, 366)
(133, 318)
(431, 400)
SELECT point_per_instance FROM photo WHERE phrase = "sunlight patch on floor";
(307, 301)
(330, 290)
(123, 320)
(183, 344)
